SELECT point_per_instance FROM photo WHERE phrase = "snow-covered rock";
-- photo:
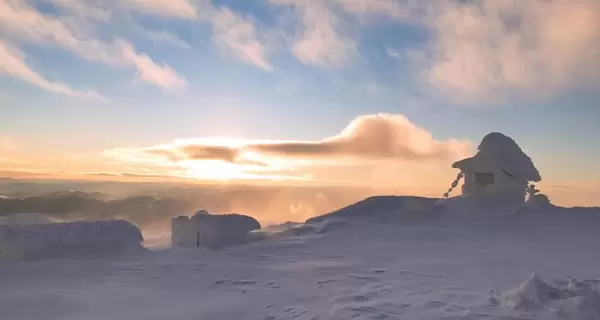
(211, 231)
(34, 241)
(538, 298)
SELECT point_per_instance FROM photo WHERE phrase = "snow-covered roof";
(503, 153)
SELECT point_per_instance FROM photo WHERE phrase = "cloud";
(487, 47)
(395, 9)
(238, 36)
(321, 42)
(381, 136)
(476, 51)
(234, 34)
(104, 9)
(21, 22)
(12, 63)
(372, 137)
(160, 37)
(84, 11)
(162, 76)
(170, 8)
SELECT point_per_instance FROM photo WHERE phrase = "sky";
(328, 92)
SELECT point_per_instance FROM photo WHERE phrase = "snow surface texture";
(211, 231)
(342, 267)
(34, 241)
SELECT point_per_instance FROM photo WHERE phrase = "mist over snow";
(385, 257)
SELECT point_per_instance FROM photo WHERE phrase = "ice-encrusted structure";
(538, 298)
(34, 241)
(500, 171)
(210, 230)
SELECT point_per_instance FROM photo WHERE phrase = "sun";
(212, 170)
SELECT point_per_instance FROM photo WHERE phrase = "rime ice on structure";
(499, 172)
(211, 231)
(45, 240)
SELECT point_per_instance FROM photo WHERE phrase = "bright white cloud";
(238, 36)
(21, 22)
(12, 63)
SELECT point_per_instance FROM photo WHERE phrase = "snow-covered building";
(211, 231)
(500, 171)
(34, 241)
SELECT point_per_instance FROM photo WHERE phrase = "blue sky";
(82, 77)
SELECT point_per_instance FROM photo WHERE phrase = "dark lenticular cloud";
(379, 137)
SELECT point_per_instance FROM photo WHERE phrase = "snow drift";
(36, 241)
(382, 209)
(538, 298)
(291, 229)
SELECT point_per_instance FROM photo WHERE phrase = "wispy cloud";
(162, 76)
(21, 22)
(479, 50)
(395, 9)
(322, 41)
(238, 36)
(161, 37)
(174, 8)
(12, 63)
(103, 10)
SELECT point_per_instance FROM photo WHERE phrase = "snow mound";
(36, 241)
(382, 209)
(290, 229)
(538, 298)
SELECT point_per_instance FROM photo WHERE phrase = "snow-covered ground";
(439, 269)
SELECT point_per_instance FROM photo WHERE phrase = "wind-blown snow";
(434, 268)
